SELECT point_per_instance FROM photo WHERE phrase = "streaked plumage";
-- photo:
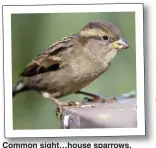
(72, 63)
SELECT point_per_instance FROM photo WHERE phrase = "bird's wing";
(49, 60)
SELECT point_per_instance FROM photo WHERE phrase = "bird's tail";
(18, 87)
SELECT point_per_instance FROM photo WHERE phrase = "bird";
(73, 62)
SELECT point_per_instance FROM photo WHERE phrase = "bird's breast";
(89, 67)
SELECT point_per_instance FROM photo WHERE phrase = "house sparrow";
(73, 62)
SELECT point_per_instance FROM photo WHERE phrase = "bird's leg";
(95, 98)
(59, 104)
(56, 101)
(88, 94)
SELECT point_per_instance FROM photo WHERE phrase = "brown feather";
(49, 60)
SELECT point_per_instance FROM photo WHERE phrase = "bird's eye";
(105, 37)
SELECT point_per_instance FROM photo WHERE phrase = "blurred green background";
(32, 33)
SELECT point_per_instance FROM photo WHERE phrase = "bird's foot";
(69, 103)
(60, 105)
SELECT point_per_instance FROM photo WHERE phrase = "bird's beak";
(120, 44)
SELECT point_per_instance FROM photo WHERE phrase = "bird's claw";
(69, 103)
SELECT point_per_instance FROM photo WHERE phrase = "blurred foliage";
(32, 33)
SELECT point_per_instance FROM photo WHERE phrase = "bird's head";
(103, 34)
